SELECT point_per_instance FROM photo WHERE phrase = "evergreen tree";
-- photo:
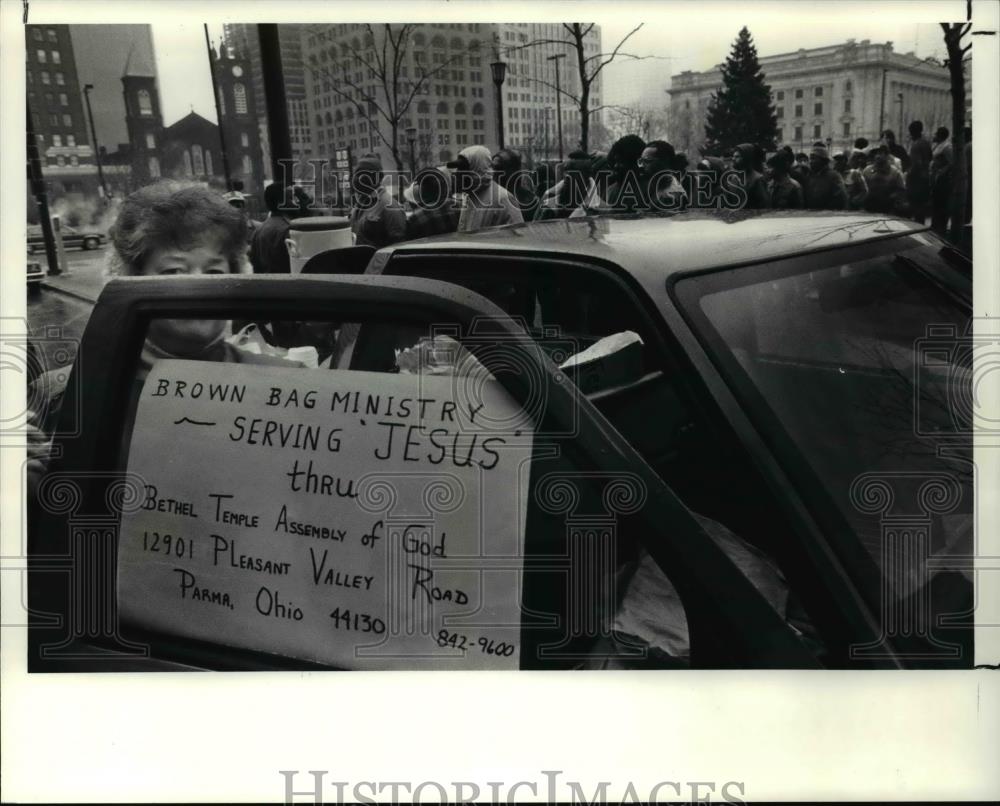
(741, 111)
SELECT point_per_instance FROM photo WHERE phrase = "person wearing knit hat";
(753, 184)
(785, 192)
(487, 204)
(376, 217)
(824, 188)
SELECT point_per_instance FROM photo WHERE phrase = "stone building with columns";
(835, 94)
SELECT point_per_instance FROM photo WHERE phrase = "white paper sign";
(364, 520)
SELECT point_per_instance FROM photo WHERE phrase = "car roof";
(652, 247)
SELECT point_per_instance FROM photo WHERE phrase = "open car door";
(412, 485)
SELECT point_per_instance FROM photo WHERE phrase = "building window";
(51, 34)
(818, 92)
(73, 160)
(798, 93)
(63, 99)
(56, 59)
(42, 57)
(240, 99)
(244, 139)
(780, 112)
(54, 119)
(781, 95)
(208, 163)
(848, 85)
(222, 102)
(57, 140)
(817, 131)
(150, 140)
(798, 134)
(847, 130)
(817, 109)
(37, 33)
(247, 168)
(781, 134)
(197, 160)
(45, 77)
(154, 167)
(67, 121)
(847, 106)
(71, 140)
(60, 79)
(187, 163)
(145, 103)
(798, 110)
(60, 160)
(49, 98)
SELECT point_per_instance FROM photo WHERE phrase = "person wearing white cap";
(486, 203)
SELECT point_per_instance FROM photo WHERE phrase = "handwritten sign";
(363, 520)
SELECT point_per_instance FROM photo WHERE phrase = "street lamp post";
(93, 136)
(555, 58)
(499, 70)
(411, 136)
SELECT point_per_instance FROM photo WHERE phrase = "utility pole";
(881, 109)
(274, 100)
(38, 191)
(555, 58)
(93, 136)
(218, 111)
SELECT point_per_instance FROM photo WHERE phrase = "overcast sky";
(684, 39)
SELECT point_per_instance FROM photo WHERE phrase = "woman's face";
(187, 337)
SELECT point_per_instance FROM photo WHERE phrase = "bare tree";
(587, 68)
(953, 35)
(646, 121)
(375, 77)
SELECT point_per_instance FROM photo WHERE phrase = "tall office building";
(58, 113)
(244, 39)
(444, 89)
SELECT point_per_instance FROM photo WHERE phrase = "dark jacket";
(424, 222)
(825, 191)
(786, 193)
(268, 252)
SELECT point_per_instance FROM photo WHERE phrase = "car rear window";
(862, 370)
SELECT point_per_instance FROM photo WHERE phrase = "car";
(698, 440)
(35, 274)
(72, 237)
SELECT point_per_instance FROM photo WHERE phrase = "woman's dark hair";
(171, 214)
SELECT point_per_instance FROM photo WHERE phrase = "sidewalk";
(83, 278)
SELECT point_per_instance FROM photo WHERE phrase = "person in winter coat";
(486, 203)
(886, 189)
(918, 177)
(661, 165)
(624, 191)
(572, 190)
(824, 188)
(942, 158)
(508, 174)
(854, 181)
(753, 184)
(784, 192)
(376, 218)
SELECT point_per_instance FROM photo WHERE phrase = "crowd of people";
(479, 189)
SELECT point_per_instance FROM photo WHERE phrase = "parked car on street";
(732, 439)
(72, 238)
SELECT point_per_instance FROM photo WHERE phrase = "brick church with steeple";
(190, 148)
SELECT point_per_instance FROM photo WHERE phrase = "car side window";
(398, 510)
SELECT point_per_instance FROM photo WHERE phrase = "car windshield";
(861, 373)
